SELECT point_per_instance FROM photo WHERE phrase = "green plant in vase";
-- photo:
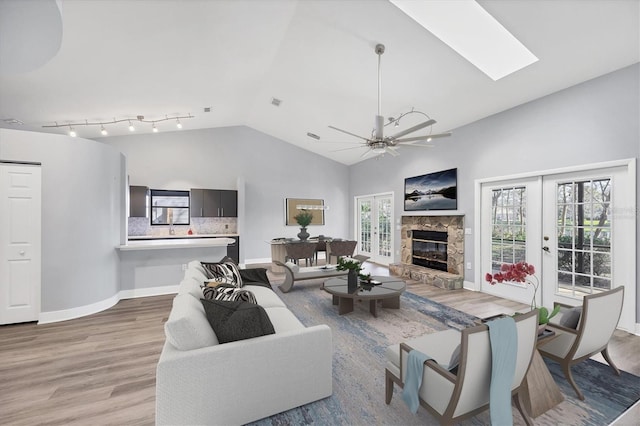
(353, 267)
(520, 272)
(303, 218)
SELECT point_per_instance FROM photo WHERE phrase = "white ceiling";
(123, 58)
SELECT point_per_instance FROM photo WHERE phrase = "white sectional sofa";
(200, 381)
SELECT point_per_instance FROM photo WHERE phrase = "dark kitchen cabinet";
(233, 250)
(138, 197)
(214, 203)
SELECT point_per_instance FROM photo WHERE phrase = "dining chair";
(339, 248)
(300, 250)
(584, 331)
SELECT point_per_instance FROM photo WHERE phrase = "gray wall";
(267, 170)
(82, 213)
(596, 121)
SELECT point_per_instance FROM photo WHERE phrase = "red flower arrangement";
(517, 272)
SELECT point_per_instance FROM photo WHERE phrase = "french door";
(571, 226)
(374, 227)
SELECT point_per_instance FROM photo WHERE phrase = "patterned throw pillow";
(226, 292)
(223, 273)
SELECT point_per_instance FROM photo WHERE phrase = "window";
(169, 207)
(508, 226)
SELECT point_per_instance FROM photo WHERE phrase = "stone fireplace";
(432, 250)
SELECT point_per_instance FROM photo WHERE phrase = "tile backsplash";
(139, 226)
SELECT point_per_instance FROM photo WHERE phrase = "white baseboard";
(146, 292)
(80, 311)
(469, 285)
(94, 308)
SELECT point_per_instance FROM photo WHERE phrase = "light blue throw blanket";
(413, 379)
(504, 347)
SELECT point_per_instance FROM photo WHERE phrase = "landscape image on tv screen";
(433, 191)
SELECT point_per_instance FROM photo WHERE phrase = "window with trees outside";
(584, 236)
(508, 226)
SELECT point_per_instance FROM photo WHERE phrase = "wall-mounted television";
(433, 191)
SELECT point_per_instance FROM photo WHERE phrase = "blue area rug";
(360, 341)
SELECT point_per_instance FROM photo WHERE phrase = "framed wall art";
(293, 206)
(433, 191)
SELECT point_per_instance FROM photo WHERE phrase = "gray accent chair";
(598, 320)
(301, 250)
(340, 248)
(452, 397)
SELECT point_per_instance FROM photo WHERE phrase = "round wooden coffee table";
(388, 291)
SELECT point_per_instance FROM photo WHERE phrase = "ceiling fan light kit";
(378, 143)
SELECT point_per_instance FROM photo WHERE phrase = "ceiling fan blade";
(346, 149)
(423, 138)
(418, 144)
(391, 150)
(379, 126)
(414, 128)
(367, 152)
(348, 133)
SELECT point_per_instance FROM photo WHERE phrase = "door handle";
(545, 248)
(21, 252)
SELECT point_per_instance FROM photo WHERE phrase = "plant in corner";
(303, 218)
(519, 272)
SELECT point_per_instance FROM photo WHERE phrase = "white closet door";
(20, 243)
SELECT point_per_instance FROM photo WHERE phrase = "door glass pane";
(365, 226)
(584, 236)
(384, 227)
(508, 226)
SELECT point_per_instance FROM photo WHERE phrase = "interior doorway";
(20, 242)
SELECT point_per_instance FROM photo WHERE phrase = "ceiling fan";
(378, 143)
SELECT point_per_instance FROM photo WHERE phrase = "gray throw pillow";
(571, 318)
(237, 320)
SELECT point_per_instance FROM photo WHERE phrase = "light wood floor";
(100, 369)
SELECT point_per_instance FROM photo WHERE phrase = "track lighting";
(103, 124)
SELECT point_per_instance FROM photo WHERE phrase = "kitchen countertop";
(178, 237)
(173, 243)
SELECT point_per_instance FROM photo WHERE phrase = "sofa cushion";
(236, 320)
(227, 292)
(283, 319)
(187, 327)
(255, 276)
(265, 297)
(223, 272)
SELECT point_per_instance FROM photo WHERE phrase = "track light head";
(103, 131)
(178, 123)
(154, 129)
(131, 128)
(72, 132)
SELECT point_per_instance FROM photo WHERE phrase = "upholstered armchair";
(583, 332)
(452, 397)
(301, 250)
(340, 248)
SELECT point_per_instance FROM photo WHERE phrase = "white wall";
(269, 169)
(82, 209)
(595, 121)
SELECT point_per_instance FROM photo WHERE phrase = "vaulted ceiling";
(123, 58)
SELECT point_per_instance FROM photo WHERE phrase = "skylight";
(472, 32)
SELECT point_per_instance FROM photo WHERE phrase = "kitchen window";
(169, 207)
